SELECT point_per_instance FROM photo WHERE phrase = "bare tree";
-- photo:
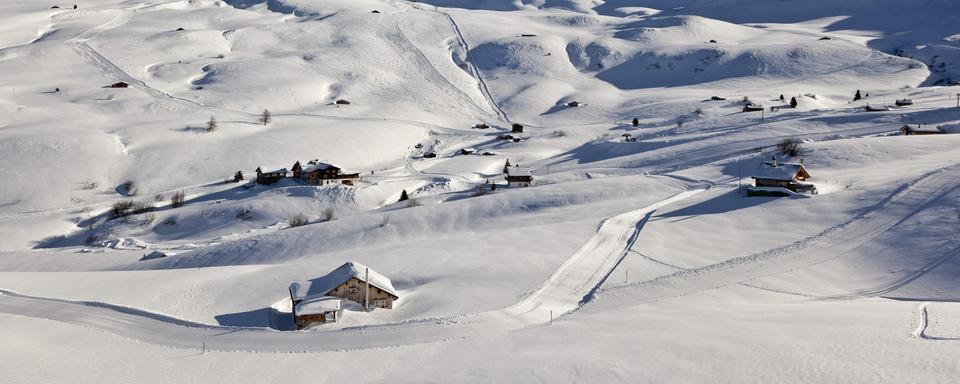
(789, 146)
(176, 201)
(265, 117)
(212, 124)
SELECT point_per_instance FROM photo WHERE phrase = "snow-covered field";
(634, 257)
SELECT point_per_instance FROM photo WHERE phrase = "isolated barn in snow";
(350, 281)
(519, 177)
(118, 85)
(773, 175)
(517, 128)
(271, 176)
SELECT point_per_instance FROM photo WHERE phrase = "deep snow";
(633, 258)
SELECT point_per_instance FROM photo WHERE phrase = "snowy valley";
(519, 191)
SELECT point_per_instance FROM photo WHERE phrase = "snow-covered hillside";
(635, 256)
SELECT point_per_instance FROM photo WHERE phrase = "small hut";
(903, 102)
(773, 178)
(342, 102)
(119, 84)
(517, 128)
(519, 177)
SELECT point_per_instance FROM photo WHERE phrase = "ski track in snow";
(569, 288)
(832, 243)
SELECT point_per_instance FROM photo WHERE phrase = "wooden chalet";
(271, 176)
(519, 176)
(920, 130)
(315, 310)
(118, 85)
(517, 128)
(772, 177)
(318, 173)
(351, 281)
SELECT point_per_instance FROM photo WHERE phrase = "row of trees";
(265, 118)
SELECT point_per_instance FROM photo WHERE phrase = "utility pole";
(958, 100)
(761, 114)
(551, 316)
(366, 291)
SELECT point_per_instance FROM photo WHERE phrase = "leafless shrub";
(140, 207)
(212, 124)
(297, 220)
(559, 133)
(148, 219)
(176, 201)
(171, 221)
(88, 185)
(245, 214)
(159, 197)
(326, 214)
(698, 112)
(129, 188)
(789, 146)
(121, 208)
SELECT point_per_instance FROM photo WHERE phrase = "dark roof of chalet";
(773, 170)
(323, 285)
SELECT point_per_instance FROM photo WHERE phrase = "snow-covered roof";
(323, 285)
(281, 170)
(519, 171)
(925, 129)
(779, 171)
(317, 166)
(318, 305)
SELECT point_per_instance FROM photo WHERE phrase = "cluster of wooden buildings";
(319, 300)
(314, 173)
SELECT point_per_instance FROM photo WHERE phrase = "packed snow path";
(568, 288)
(834, 242)
(577, 279)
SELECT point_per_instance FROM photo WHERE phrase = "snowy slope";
(634, 257)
